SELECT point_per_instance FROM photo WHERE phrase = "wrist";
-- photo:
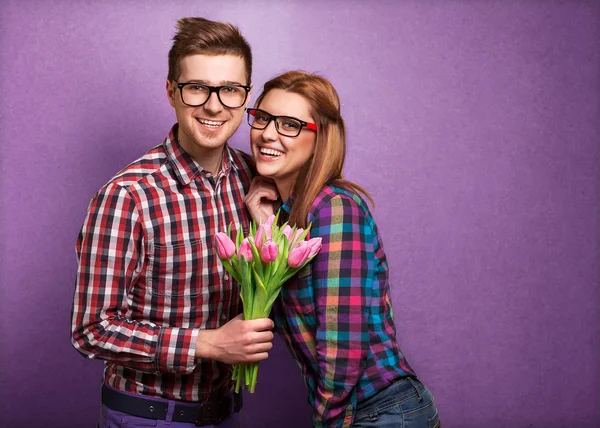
(204, 345)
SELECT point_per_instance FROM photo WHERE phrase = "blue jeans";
(406, 403)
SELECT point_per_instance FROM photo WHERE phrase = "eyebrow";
(220, 83)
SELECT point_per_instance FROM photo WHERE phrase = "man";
(152, 298)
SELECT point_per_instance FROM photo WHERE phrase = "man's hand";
(260, 197)
(238, 341)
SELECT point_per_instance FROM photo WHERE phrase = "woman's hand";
(260, 197)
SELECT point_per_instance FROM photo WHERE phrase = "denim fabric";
(112, 419)
(406, 403)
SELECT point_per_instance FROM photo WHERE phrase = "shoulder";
(142, 167)
(136, 171)
(338, 205)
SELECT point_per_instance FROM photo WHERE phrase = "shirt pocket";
(176, 268)
(297, 294)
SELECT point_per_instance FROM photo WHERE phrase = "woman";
(335, 315)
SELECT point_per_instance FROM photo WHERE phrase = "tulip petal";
(225, 246)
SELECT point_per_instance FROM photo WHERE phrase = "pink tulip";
(287, 231)
(269, 251)
(299, 254)
(315, 245)
(259, 237)
(270, 220)
(297, 235)
(245, 250)
(225, 246)
(263, 233)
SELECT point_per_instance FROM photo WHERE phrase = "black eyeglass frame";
(212, 89)
(303, 124)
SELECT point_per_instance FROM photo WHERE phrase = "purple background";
(475, 125)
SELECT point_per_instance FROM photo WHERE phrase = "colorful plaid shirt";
(148, 277)
(336, 315)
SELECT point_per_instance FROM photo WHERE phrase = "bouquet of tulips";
(261, 263)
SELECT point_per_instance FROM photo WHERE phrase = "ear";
(249, 96)
(170, 93)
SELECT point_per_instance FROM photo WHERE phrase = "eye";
(196, 88)
(261, 117)
(231, 89)
(290, 125)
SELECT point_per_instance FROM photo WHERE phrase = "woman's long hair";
(327, 163)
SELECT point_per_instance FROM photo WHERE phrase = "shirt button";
(223, 317)
(226, 277)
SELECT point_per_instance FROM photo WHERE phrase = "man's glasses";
(196, 94)
(285, 125)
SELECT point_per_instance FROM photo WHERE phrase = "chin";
(265, 172)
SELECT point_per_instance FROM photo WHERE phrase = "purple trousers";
(112, 419)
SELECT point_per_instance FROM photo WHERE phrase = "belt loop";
(170, 411)
(414, 384)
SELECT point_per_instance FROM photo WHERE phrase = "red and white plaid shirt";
(148, 277)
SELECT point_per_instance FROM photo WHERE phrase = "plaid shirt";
(148, 277)
(336, 315)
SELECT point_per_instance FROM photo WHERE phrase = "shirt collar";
(288, 204)
(187, 168)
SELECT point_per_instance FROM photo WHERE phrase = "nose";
(213, 105)
(270, 132)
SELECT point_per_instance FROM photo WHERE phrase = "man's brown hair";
(201, 36)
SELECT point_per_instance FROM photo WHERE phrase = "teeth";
(212, 123)
(270, 152)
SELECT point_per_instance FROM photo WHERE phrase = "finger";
(258, 348)
(257, 198)
(263, 337)
(261, 324)
(253, 358)
(271, 196)
(263, 184)
(263, 192)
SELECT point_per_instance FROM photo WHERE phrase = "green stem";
(238, 378)
(254, 377)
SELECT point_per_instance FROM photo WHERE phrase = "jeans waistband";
(400, 383)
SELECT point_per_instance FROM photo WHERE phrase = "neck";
(210, 159)
(284, 187)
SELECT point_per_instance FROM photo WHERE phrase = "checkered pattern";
(148, 277)
(336, 314)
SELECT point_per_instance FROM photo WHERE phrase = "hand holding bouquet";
(261, 263)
